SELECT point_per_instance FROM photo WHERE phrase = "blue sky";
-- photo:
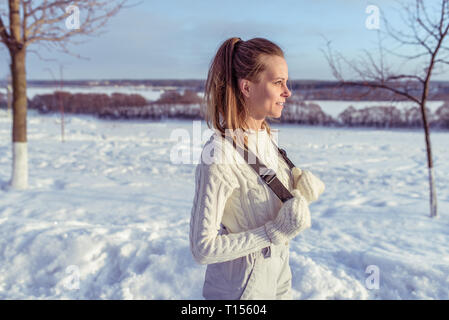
(177, 39)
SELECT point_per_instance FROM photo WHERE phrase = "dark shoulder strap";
(287, 160)
(268, 175)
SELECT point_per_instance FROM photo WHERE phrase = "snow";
(106, 214)
(334, 108)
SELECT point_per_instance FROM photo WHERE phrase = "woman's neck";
(254, 124)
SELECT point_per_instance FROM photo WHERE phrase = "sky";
(178, 39)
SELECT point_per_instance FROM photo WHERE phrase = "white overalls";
(262, 275)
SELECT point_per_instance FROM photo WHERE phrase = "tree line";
(188, 105)
(307, 89)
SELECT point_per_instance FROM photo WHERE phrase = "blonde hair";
(235, 59)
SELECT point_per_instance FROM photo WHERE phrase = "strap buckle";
(268, 176)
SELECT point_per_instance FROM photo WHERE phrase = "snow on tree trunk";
(19, 178)
(433, 194)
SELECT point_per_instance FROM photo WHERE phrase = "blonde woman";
(239, 227)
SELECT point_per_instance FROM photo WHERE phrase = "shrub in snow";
(90, 103)
(442, 116)
(3, 102)
(174, 97)
(305, 113)
(384, 117)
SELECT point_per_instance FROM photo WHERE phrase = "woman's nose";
(287, 93)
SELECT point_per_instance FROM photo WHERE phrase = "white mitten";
(310, 186)
(292, 218)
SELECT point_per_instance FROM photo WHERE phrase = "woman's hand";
(292, 218)
(310, 186)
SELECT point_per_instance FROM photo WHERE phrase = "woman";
(238, 225)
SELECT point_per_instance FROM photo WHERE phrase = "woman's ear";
(244, 86)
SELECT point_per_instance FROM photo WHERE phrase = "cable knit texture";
(228, 192)
(293, 218)
(310, 186)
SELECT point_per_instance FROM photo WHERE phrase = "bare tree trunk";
(61, 105)
(19, 179)
(9, 95)
(433, 195)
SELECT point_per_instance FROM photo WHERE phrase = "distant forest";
(188, 105)
(303, 89)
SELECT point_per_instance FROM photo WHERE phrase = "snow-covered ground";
(106, 215)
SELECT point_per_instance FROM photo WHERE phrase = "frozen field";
(106, 215)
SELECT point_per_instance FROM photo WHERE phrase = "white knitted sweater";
(228, 191)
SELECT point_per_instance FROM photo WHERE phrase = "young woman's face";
(265, 98)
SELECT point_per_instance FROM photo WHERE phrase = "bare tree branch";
(40, 57)
(442, 61)
(44, 21)
(404, 76)
(5, 37)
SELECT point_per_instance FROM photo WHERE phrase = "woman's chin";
(276, 114)
(278, 111)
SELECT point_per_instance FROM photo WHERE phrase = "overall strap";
(268, 175)
(287, 160)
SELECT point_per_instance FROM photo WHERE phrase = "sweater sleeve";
(212, 189)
